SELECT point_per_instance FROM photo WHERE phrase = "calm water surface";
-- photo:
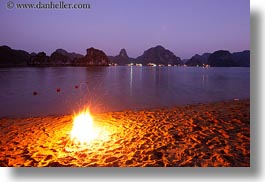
(115, 88)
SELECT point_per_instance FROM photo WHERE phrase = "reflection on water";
(115, 88)
(131, 80)
(204, 78)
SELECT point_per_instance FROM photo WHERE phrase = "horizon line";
(126, 51)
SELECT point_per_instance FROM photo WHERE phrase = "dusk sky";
(186, 27)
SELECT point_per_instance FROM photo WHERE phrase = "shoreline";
(96, 66)
(128, 110)
(211, 134)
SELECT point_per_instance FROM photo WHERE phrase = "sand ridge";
(215, 134)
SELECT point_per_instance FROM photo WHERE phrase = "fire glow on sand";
(84, 129)
(154, 138)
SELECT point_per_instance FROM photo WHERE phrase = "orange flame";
(83, 130)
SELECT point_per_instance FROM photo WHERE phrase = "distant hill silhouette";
(122, 58)
(94, 57)
(242, 58)
(39, 59)
(61, 56)
(158, 55)
(11, 57)
(198, 60)
(221, 58)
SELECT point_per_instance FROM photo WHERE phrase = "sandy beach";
(207, 135)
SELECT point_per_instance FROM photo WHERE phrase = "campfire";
(83, 130)
(87, 133)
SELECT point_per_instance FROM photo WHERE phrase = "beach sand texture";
(215, 134)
